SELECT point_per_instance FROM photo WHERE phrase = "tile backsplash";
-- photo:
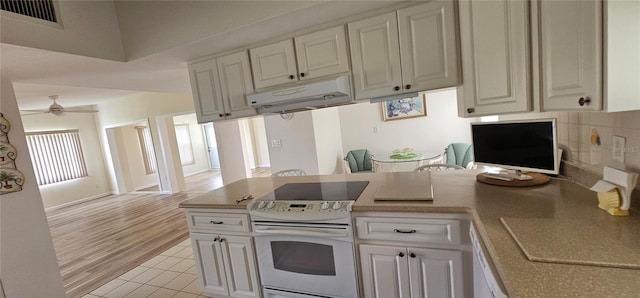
(584, 154)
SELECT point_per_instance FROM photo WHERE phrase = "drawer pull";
(216, 222)
(401, 255)
(404, 231)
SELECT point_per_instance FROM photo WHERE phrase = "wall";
(298, 144)
(197, 142)
(363, 126)
(326, 125)
(96, 184)
(28, 263)
(129, 142)
(89, 28)
(261, 145)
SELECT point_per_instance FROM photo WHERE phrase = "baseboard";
(145, 186)
(198, 172)
(79, 201)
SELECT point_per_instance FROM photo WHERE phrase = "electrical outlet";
(276, 143)
(619, 144)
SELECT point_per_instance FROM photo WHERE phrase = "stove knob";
(261, 204)
(336, 206)
(271, 204)
(324, 205)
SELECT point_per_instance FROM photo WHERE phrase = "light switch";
(619, 144)
(276, 143)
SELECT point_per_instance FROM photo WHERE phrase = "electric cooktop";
(318, 191)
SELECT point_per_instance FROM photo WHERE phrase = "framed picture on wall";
(404, 108)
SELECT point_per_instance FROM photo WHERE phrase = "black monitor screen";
(521, 145)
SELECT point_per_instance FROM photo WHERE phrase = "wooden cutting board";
(395, 192)
(570, 241)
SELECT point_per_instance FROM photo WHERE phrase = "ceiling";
(80, 80)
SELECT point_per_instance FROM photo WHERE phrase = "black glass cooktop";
(318, 191)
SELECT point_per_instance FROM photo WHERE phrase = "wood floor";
(99, 240)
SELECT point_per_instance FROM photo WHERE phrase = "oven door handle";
(301, 232)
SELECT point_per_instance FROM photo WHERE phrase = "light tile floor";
(169, 274)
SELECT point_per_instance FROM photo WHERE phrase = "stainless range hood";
(304, 97)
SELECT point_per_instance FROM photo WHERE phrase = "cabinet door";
(385, 271)
(570, 42)
(375, 56)
(435, 273)
(428, 46)
(274, 64)
(206, 91)
(240, 266)
(235, 84)
(209, 263)
(322, 53)
(494, 39)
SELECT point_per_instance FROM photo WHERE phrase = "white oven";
(296, 259)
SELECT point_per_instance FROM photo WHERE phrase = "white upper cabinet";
(235, 84)
(316, 55)
(428, 48)
(413, 49)
(375, 56)
(220, 87)
(495, 58)
(570, 49)
(274, 64)
(322, 53)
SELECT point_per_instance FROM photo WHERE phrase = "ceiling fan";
(56, 109)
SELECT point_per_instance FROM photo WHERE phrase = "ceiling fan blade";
(80, 111)
(33, 112)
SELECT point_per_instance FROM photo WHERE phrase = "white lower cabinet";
(226, 265)
(224, 253)
(402, 265)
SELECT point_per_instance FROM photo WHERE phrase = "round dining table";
(384, 163)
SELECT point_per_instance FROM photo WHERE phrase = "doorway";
(212, 146)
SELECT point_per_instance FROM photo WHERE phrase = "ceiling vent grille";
(39, 9)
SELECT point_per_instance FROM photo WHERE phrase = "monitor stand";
(513, 179)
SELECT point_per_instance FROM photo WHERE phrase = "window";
(57, 156)
(146, 146)
(183, 137)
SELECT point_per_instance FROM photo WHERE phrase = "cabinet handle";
(407, 87)
(216, 239)
(401, 254)
(221, 239)
(396, 88)
(471, 110)
(216, 222)
(291, 77)
(227, 114)
(582, 101)
(302, 74)
(404, 231)
(221, 115)
(412, 255)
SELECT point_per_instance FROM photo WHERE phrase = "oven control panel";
(301, 209)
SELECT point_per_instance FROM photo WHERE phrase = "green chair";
(459, 154)
(358, 161)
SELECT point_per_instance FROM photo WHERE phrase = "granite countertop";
(458, 192)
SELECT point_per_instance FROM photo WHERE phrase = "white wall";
(432, 133)
(298, 150)
(89, 28)
(326, 124)
(129, 142)
(234, 159)
(97, 183)
(198, 143)
(28, 263)
(261, 146)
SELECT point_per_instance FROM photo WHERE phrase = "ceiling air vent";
(39, 9)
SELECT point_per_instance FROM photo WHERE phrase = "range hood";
(304, 97)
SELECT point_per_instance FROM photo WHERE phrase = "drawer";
(421, 230)
(218, 222)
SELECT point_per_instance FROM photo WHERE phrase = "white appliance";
(304, 239)
(485, 284)
(303, 97)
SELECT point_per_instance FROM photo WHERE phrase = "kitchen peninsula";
(458, 192)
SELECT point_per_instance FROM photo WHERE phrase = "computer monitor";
(522, 145)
